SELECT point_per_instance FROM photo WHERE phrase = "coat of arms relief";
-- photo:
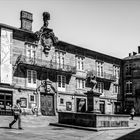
(45, 35)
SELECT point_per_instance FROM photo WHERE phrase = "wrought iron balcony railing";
(104, 75)
(46, 64)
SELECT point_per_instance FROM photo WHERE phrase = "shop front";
(6, 98)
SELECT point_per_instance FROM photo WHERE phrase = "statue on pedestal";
(93, 82)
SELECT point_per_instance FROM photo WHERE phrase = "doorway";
(102, 107)
(47, 104)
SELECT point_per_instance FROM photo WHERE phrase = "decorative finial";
(46, 17)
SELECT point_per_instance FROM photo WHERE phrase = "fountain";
(92, 119)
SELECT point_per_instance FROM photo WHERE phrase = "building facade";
(53, 75)
(131, 78)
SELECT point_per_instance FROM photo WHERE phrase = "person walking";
(132, 113)
(17, 114)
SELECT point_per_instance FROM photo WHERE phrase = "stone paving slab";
(38, 128)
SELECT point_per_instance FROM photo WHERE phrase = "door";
(47, 105)
(102, 107)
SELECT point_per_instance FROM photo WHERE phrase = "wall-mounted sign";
(23, 102)
(5, 55)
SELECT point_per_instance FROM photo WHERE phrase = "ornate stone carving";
(91, 80)
(46, 35)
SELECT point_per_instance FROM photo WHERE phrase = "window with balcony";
(31, 51)
(100, 69)
(31, 78)
(128, 87)
(80, 63)
(61, 83)
(100, 87)
(128, 69)
(80, 83)
(60, 59)
(116, 71)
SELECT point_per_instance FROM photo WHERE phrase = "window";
(61, 82)
(32, 98)
(100, 69)
(31, 51)
(128, 69)
(80, 83)
(80, 63)
(61, 101)
(100, 87)
(116, 71)
(60, 59)
(128, 87)
(31, 78)
(116, 89)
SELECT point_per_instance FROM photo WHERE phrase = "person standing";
(17, 114)
(132, 113)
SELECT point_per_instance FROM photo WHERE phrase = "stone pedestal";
(93, 101)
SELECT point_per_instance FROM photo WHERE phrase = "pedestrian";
(17, 114)
(132, 113)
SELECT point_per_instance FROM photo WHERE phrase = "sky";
(107, 26)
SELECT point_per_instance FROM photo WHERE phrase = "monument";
(92, 119)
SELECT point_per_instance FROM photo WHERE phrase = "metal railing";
(104, 75)
(46, 64)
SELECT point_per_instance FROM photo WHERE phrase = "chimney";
(26, 20)
(138, 49)
(134, 53)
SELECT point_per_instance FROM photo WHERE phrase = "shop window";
(81, 104)
(68, 106)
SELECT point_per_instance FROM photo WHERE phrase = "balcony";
(104, 76)
(45, 64)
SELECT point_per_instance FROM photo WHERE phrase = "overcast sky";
(108, 26)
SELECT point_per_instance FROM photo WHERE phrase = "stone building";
(131, 78)
(53, 75)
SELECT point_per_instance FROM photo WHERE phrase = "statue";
(93, 82)
(46, 17)
(46, 35)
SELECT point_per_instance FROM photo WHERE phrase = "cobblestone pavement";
(38, 128)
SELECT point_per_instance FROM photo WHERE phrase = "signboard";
(5, 53)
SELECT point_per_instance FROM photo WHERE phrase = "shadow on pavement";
(135, 135)
(7, 128)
